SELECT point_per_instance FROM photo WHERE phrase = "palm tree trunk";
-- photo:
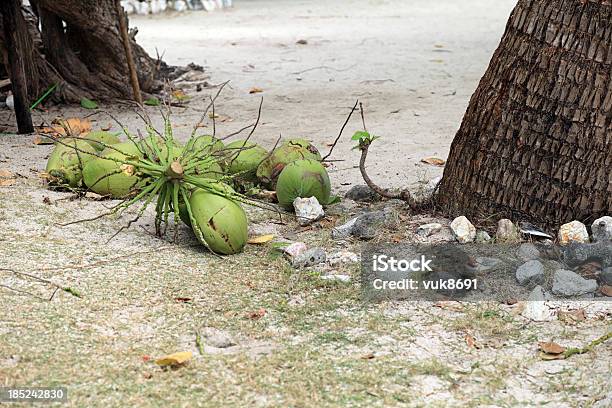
(536, 140)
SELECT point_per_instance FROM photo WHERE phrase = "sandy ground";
(301, 341)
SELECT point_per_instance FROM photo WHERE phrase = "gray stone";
(368, 225)
(342, 208)
(575, 254)
(308, 210)
(507, 232)
(574, 231)
(539, 294)
(426, 230)
(606, 276)
(294, 249)
(310, 257)
(345, 230)
(567, 283)
(530, 272)
(362, 193)
(482, 237)
(217, 338)
(528, 252)
(484, 264)
(342, 258)
(602, 229)
(463, 230)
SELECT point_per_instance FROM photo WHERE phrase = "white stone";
(308, 210)
(295, 249)
(507, 232)
(482, 237)
(602, 229)
(574, 231)
(342, 257)
(463, 230)
(426, 230)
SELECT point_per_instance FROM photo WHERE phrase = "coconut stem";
(175, 170)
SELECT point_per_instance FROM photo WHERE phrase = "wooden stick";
(123, 29)
(13, 34)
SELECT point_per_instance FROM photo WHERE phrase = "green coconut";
(128, 148)
(67, 160)
(223, 222)
(211, 170)
(110, 178)
(100, 138)
(207, 144)
(290, 151)
(303, 178)
(244, 158)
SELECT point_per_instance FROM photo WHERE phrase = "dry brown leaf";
(546, 356)
(73, 127)
(262, 239)
(174, 359)
(573, 316)
(255, 90)
(7, 178)
(257, 314)
(434, 161)
(606, 290)
(551, 347)
(471, 341)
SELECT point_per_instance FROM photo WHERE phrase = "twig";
(324, 67)
(125, 37)
(42, 280)
(571, 351)
(341, 130)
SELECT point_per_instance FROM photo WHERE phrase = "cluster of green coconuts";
(103, 164)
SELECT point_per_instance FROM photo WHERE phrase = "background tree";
(77, 45)
(536, 140)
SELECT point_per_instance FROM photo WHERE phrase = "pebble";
(426, 230)
(530, 272)
(528, 252)
(345, 230)
(536, 308)
(362, 193)
(294, 249)
(574, 231)
(482, 237)
(339, 278)
(568, 283)
(539, 294)
(367, 225)
(484, 264)
(217, 338)
(463, 229)
(507, 232)
(308, 258)
(602, 229)
(308, 210)
(342, 258)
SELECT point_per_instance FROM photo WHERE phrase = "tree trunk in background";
(81, 50)
(536, 140)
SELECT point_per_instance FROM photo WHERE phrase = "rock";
(484, 264)
(342, 208)
(345, 230)
(530, 272)
(311, 257)
(10, 102)
(342, 258)
(308, 210)
(482, 237)
(574, 231)
(606, 276)
(528, 252)
(339, 278)
(426, 190)
(426, 230)
(507, 232)
(367, 225)
(463, 230)
(536, 308)
(294, 249)
(217, 338)
(567, 283)
(602, 229)
(575, 254)
(362, 193)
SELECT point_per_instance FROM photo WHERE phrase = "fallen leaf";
(434, 161)
(551, 348)
(183, 299)
(180, 95)
(606, 290)
(471, 341)
(72, 127)
(261, 239)
(88, 104)
(573, 316)
(257, 314)
(255, 90)
(7, 178)
(175, 359)
(152, 101)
